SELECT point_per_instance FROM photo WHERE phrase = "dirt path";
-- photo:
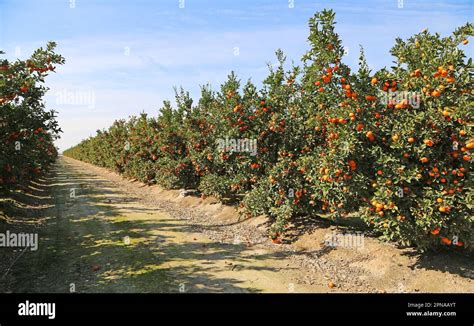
(100, 238)
(101, 233)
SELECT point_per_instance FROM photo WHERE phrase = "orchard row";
(393, 147)
(27, 129)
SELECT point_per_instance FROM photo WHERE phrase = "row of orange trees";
(393, 146)
(27, 129)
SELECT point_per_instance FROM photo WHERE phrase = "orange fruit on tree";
(254, 166)
(446, 241)
(370, 98)
(428, 142)
(352, 165)
(435, 231)
(444, 209)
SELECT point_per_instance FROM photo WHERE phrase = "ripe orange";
(254, 166)
(446, 241)
(370, 135)
(352, 165)
(411, 140)
(444, 209)
(435, 231)
(428, 142)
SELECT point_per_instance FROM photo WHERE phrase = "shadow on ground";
(93, 238)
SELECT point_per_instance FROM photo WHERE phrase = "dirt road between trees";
(99, 232)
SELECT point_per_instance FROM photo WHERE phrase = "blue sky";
(126, 56)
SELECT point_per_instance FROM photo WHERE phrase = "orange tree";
(173, 163)
(229, 118)
(421, 181)
(240, 134)
(27, 129)
(313, 163)
(399, 145)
